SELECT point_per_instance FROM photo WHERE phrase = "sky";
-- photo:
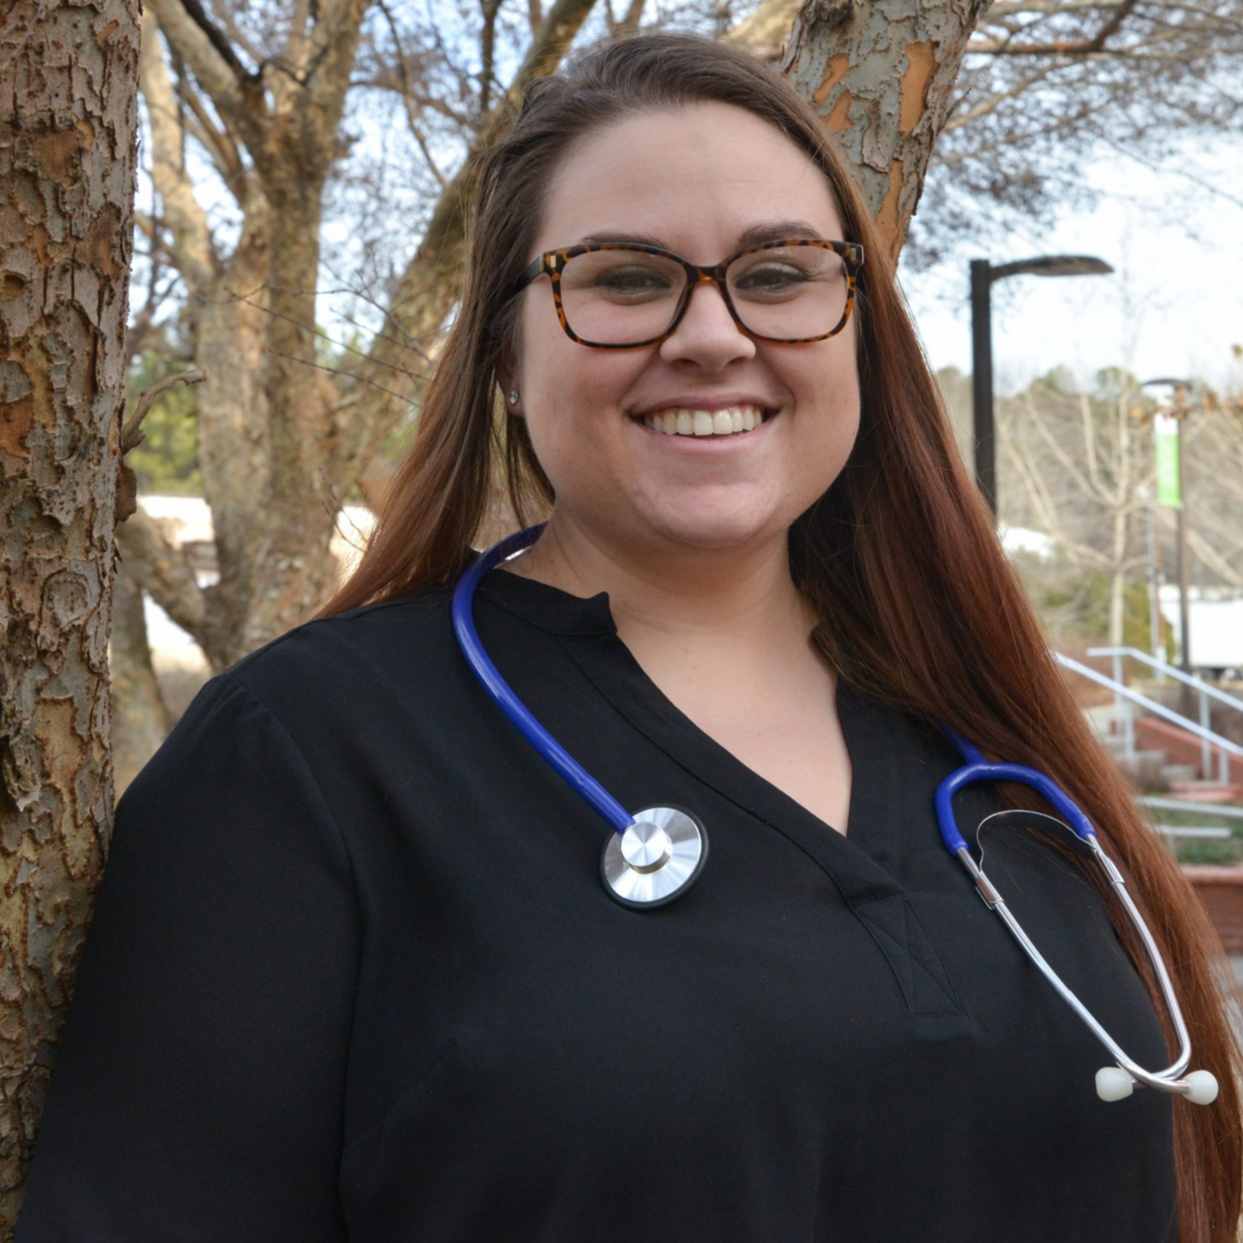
(1173, 308)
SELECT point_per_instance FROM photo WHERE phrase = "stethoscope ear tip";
(1201, 1087)
(1113, 1083)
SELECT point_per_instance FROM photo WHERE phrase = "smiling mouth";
(684, 421)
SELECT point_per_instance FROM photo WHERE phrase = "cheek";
(833, 387)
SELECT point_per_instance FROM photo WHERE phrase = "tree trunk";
(67, 157)
(289, 569)
(881, 75)
(231, 327)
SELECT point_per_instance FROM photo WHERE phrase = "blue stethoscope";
(656, 854)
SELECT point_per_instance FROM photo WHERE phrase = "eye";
(630, 280)
(622, 278)
(772, 278)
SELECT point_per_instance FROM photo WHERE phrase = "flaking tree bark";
(882, 76)
(68, 121)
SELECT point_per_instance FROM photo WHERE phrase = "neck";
(723, 597)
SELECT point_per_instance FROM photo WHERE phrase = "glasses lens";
(789, 293)
(620, 297)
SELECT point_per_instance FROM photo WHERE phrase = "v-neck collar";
(853, 860)
(864, 867)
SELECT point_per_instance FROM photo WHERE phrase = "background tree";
(259, 93)
(1048, 86)
(1078, 464)
(1084, 474)
(68, 120)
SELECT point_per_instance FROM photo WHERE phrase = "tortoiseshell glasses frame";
(553, 262)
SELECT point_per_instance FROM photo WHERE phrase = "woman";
(354, 973)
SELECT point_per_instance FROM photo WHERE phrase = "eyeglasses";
(619, 295)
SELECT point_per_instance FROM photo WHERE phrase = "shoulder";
(351, 656)
(315, 688)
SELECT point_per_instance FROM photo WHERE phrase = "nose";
(707, 334)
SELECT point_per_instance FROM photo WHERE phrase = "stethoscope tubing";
(644, 880)
(547, 747)
(977, 768)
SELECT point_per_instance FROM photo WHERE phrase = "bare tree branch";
(978, 111)
(215, 141)
(191, 239)
(161, 568)
(220, 75)
(487, 51)
(407, 95)
(766, 28)
(424, 295)
(131, 430)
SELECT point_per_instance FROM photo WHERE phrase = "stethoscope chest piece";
(656, 858)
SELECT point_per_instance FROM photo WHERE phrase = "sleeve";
(198, 1094)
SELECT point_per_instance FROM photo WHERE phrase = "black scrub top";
(354, 975)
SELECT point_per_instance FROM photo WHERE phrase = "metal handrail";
(1172, 671)
(1225, 811)
(1201, 832)
(1202, 689)
(1158, 709)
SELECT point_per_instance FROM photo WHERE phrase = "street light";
(984, 276)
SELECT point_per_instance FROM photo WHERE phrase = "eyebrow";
(754, 236)
(760, 233)
(642, 239)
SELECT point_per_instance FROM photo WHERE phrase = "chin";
(716, 532)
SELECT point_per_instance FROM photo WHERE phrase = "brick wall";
(1151, 733)
(1221, 891)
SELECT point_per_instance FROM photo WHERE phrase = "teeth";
(685, 422)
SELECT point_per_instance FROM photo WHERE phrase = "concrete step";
(1208, 791)
(1145, 768)
(1179, 774)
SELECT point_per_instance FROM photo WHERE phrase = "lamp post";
(984, 275)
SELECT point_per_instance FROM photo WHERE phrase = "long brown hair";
(919, 604)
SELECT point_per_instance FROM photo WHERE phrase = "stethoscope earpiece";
(1113, 1083)
(655, 859)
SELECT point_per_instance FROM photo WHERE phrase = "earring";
(513, 396)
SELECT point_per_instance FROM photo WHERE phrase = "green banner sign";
(1165, 437)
